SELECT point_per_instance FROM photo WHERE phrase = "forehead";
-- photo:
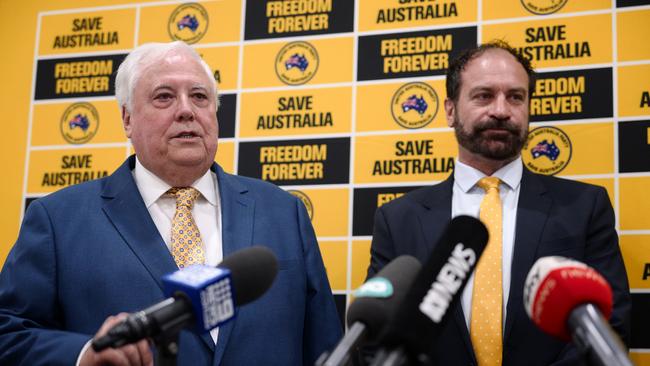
(171, 69)
(494, 67)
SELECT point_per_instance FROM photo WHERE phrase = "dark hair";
(458, 65)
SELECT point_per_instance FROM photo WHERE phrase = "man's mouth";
(186, 135)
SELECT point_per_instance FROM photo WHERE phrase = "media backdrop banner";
(340, 102)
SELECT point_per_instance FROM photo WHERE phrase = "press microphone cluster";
(410, 336)
(200, 297)
(375, 303)
(405, 325)
(571, 301)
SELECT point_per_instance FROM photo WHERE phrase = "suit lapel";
(126, 210)
(436, 202)
(434, 220)
(237, 211)
(532, 213)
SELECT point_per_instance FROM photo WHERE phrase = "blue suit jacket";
(92, 250)
(554, 217)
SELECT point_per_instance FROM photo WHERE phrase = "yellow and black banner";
(341, 103)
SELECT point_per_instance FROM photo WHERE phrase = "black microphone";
(202, 297)
(570, 300)
(375, 303)
(436, 290)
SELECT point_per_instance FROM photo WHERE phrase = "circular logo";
(547, 151)
(543, 7)
(296, 63)
(305, 200)
(414, 105)
(79, 123)
(188, 23)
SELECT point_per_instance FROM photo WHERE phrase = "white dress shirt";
(206, 212)
(466, 200)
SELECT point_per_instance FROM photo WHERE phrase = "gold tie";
(187, 247)
(487, 297)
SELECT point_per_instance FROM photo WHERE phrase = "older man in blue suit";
(90, 252)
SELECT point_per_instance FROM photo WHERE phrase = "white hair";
(146, 55)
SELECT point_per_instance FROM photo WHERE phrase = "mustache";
(501, 124)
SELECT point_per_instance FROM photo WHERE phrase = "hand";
(135, 354)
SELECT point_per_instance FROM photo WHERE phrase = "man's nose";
(500, 108)
(185, 109)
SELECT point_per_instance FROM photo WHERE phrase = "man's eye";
(200, 96)
(518, 97)
(163, 97)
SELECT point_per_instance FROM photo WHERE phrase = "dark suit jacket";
(92, 250)
(554, 217)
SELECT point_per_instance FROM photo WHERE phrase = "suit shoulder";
(558, 184)
(74, 194)
(413, 198)
(262, 189)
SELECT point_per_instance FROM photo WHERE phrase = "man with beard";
(528, 216)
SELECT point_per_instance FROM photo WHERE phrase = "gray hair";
(145, 55)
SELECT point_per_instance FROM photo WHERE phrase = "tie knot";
(488, 183)
(185, 196)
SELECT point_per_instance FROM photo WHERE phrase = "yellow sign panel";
(558, 41)
(226, 156)
(106, 30)
(335, 254)
(205, 22)
(634, 202)
(328, 209)
(635, 249)
(498, 9)
(224, 62)
(640, 358)
(360, 262)
(315, 62)
(77, 123)
(632, 34)
(634, 90)
(392, 14)
(52, 170)
(394, 106)
(300, 112)
(404, 157)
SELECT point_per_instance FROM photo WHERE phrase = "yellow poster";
(105, 30)
(299, 112)
(413, 157)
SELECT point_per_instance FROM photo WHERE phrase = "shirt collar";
(151, 187)
(467, 176)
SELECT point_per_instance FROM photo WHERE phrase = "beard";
(499, 147)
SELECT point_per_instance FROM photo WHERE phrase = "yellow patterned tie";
(187, 247)
(487, 297)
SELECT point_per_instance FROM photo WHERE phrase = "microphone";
(437, 289)
(570, 300)
(375, 303)
(201, 297)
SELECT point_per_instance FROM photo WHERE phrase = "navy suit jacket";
(92, 250)
(554, 217)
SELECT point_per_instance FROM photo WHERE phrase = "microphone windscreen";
(422, 315)
(252, 271)
(555, 286)
(376, 301)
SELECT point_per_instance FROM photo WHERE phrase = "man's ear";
(450, 109)
(126, 121)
